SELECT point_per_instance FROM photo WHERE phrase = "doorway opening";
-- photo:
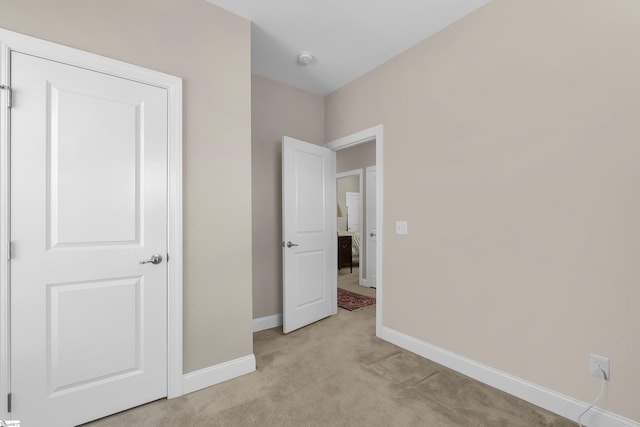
(350, 222)
(354, 223)
(359, 170)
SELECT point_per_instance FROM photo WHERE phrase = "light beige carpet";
(336, 373)
(350, 282)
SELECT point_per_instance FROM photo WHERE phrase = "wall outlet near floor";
(598, 365)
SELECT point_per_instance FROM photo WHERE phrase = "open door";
(371, 238)
(309, 242)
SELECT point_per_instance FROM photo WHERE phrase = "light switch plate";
(402, 227)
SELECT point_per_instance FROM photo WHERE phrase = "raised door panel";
(309, 193)
(109, 338)
(96, 138)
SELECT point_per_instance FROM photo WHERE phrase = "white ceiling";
(346, 37)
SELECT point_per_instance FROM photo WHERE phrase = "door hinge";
(9, 402)
(9, 94)
(9, 250)
(167, 256)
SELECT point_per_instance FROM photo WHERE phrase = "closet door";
(88, 205)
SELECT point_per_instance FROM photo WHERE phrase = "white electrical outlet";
(598, 365)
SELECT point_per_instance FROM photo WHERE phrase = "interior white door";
(88, 203)
(309, 236)
(370, 236)
(354, 211)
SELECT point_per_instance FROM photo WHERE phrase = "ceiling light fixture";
(304, 58)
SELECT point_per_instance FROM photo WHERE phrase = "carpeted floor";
(349, 282)
(336, 373)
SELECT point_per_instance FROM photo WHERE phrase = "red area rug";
(352, 301)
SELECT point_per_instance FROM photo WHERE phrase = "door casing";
(11, 41)
(375, 133)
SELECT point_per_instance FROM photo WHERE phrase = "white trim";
(359, 174)
(207, 377)
(267, 322)
(174, 243)
(11, 41)
(5, 367)
(376, 134)
(550, 400)
(68, 55)
(362, 137)
(350, 173)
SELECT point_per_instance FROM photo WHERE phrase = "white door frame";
(369, 135)
(11, 41)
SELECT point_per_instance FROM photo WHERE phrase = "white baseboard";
(203, 378)
(267, 322)
(550, 400)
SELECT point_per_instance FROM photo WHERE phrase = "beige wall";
(210, 49)
(512, 147)
(277, 110)
(357, 157)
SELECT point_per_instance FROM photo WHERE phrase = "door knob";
(372, 234)
(155, 259)
(290, 245)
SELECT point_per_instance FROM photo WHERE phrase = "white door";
(354, 211)
(309, 239)
(370, 235)
(88, 203)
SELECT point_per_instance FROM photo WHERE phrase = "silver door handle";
(372, 234)
(290, 245)
(155, 259)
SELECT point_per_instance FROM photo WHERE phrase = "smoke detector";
(304, 58)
